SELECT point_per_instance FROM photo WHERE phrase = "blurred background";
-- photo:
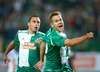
(80, 17)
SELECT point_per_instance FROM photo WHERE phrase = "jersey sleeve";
(16, 40)
(58, 40)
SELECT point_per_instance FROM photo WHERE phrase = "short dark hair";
(31, 17)
(53, 14)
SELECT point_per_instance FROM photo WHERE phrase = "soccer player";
(54, 41)
(28, 43)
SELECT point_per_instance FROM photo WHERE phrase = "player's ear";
(28, 23)
(51, 24)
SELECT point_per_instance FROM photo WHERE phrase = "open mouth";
(36, 28)
(61, 26)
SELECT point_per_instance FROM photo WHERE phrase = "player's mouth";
(60, 26)
(36, 27)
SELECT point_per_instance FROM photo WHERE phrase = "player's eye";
(56, 20)
(60, 19)
(38, 22)
(34, 21)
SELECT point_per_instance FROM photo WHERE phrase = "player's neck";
(32, 32)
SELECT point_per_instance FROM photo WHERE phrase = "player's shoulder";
(41, 33)
(49, 32)
(22, 31)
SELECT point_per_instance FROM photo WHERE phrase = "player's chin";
(61, 29)
(36, 29)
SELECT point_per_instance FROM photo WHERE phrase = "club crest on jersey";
(28, 45)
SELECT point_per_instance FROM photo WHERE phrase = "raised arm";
(76, 41)
(8, 49)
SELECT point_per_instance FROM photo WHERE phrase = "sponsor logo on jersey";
(28, 45)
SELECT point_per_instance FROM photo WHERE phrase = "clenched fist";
(89, 35)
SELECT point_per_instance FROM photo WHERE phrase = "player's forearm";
(10, 47)
(75, 41)
(42, 51)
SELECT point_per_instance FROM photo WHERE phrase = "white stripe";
(51, 42)
(23, 53)
(46, 50)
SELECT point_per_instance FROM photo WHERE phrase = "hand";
(6, 59)
(39, 65)
(90, 35)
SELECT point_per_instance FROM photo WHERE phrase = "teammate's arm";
(9, 48)
(42, 52)
(76, 41)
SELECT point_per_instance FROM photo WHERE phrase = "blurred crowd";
(80, 17)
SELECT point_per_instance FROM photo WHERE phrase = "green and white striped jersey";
(24, 41)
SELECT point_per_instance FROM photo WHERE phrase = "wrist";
(86, 37)
(5, 54)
